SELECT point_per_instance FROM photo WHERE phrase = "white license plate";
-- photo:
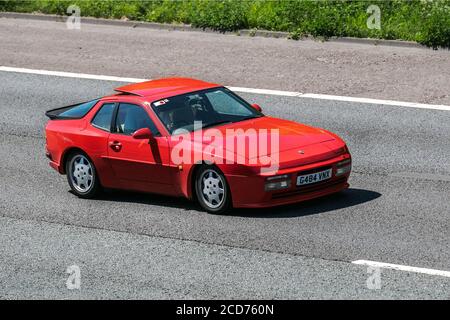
(314, 177)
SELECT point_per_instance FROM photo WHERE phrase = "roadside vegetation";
(424, 21)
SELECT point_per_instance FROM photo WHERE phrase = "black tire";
(92, 185)
(215, 207)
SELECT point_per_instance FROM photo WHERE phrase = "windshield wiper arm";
(249, 117)
(215, 124)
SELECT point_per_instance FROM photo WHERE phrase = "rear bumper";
(55, 166)
(52, 161)
(249, 192)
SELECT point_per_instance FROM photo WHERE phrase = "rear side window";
(78, 111)
(102, 119)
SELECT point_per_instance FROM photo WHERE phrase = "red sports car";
(189, 138)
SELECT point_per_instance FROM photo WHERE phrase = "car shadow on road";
(146, 198)
(344, 199)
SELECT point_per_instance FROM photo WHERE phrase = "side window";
(131, 117)
(103, 117)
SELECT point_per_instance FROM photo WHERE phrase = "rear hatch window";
(75, 111)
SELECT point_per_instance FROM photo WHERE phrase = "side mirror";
(257, 107)
(143, 133)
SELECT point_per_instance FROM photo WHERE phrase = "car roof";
(154, 90)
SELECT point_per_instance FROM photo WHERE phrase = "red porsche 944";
(189, 138)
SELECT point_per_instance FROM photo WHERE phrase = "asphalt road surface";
(131, 245)
(359, 70)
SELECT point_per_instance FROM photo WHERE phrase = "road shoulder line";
(237, 89)
(399, 267)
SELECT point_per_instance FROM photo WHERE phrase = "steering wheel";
(197, 103)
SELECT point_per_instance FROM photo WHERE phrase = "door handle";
(115, 145)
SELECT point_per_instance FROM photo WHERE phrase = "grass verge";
(424, 21)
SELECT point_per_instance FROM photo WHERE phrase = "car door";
(95, 142)
(139, 164)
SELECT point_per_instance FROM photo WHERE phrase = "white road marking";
(400, 267)
(70, 74)
(266, 91)
(377, 101)
(237, 89)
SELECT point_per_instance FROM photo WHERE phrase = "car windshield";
(210, 107)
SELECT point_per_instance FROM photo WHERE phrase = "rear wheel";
(212, 190)
(81, 175)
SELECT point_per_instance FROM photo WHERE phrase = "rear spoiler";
(62, 113)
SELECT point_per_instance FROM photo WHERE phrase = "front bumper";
(249, 192)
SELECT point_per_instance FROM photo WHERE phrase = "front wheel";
(212, 190)
(82, 176)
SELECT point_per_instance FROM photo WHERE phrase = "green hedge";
(423, 21)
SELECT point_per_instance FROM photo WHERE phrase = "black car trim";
(54, 114)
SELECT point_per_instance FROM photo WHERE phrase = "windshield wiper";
(228, 121)
(249, 117)
(215, 124)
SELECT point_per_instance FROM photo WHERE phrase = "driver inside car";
(180, 117)
(200, 110)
